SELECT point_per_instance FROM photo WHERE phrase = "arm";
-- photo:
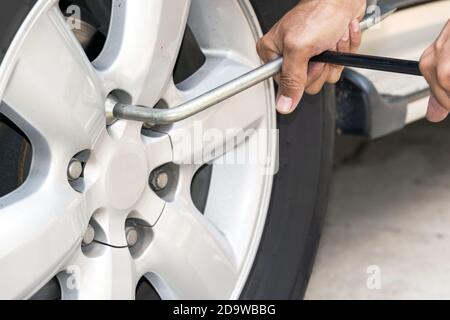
(435, 66)
(309, 29)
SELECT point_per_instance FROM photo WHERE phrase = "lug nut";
(132, 236)
(75, 169)
(159, 180)
(89, 235)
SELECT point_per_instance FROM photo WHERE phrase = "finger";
(335, 72)
(430, 70)
(355, 36)
(293, 78)
(334, 75)
(317, 86)
(267, 49)
(427, 53)
(344, 45)
(436, 112)
(315, 71)
(441, 96)
(427, 63)
(443, 69)
(351, 46)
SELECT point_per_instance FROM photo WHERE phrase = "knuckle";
(261, 45)
(292, 43)
(290, 81)
(443, 76)
(426, 66)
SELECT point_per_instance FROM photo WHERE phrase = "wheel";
(193, 210)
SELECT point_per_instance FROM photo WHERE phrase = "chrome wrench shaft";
(167, 116)
(204, 101)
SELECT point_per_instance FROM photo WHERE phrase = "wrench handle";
(370, 62)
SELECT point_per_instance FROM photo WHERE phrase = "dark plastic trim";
(363, 111)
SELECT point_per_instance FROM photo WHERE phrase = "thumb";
(292, 82)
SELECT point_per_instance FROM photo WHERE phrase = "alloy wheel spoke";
(56, 97)
(112, 225)
(160, 142)
(142, 47)
(105, 274)
(188, 256)
(38, 232)
(149, 208)
(212, 133)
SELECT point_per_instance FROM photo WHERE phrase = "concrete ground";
(387, 234)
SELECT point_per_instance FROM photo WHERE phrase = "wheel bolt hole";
(75, 170)
(89, 236)
(116, 96)
(159, 180)
(139, 235)
(164, 180)
(93, 237)
(132, 236)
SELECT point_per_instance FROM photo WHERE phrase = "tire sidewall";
(300, 191)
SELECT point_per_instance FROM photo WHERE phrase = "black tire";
(299, 197)
(12, 14)
(300, 193)
(15, 150)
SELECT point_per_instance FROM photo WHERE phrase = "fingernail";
(284, 104)
(355, 26)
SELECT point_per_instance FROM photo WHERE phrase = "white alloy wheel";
(57, 97)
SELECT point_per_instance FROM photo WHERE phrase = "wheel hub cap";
(126, 175)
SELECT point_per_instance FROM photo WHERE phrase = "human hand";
(435, 67)
(309, 29)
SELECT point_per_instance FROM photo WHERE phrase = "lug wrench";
(167, 116)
